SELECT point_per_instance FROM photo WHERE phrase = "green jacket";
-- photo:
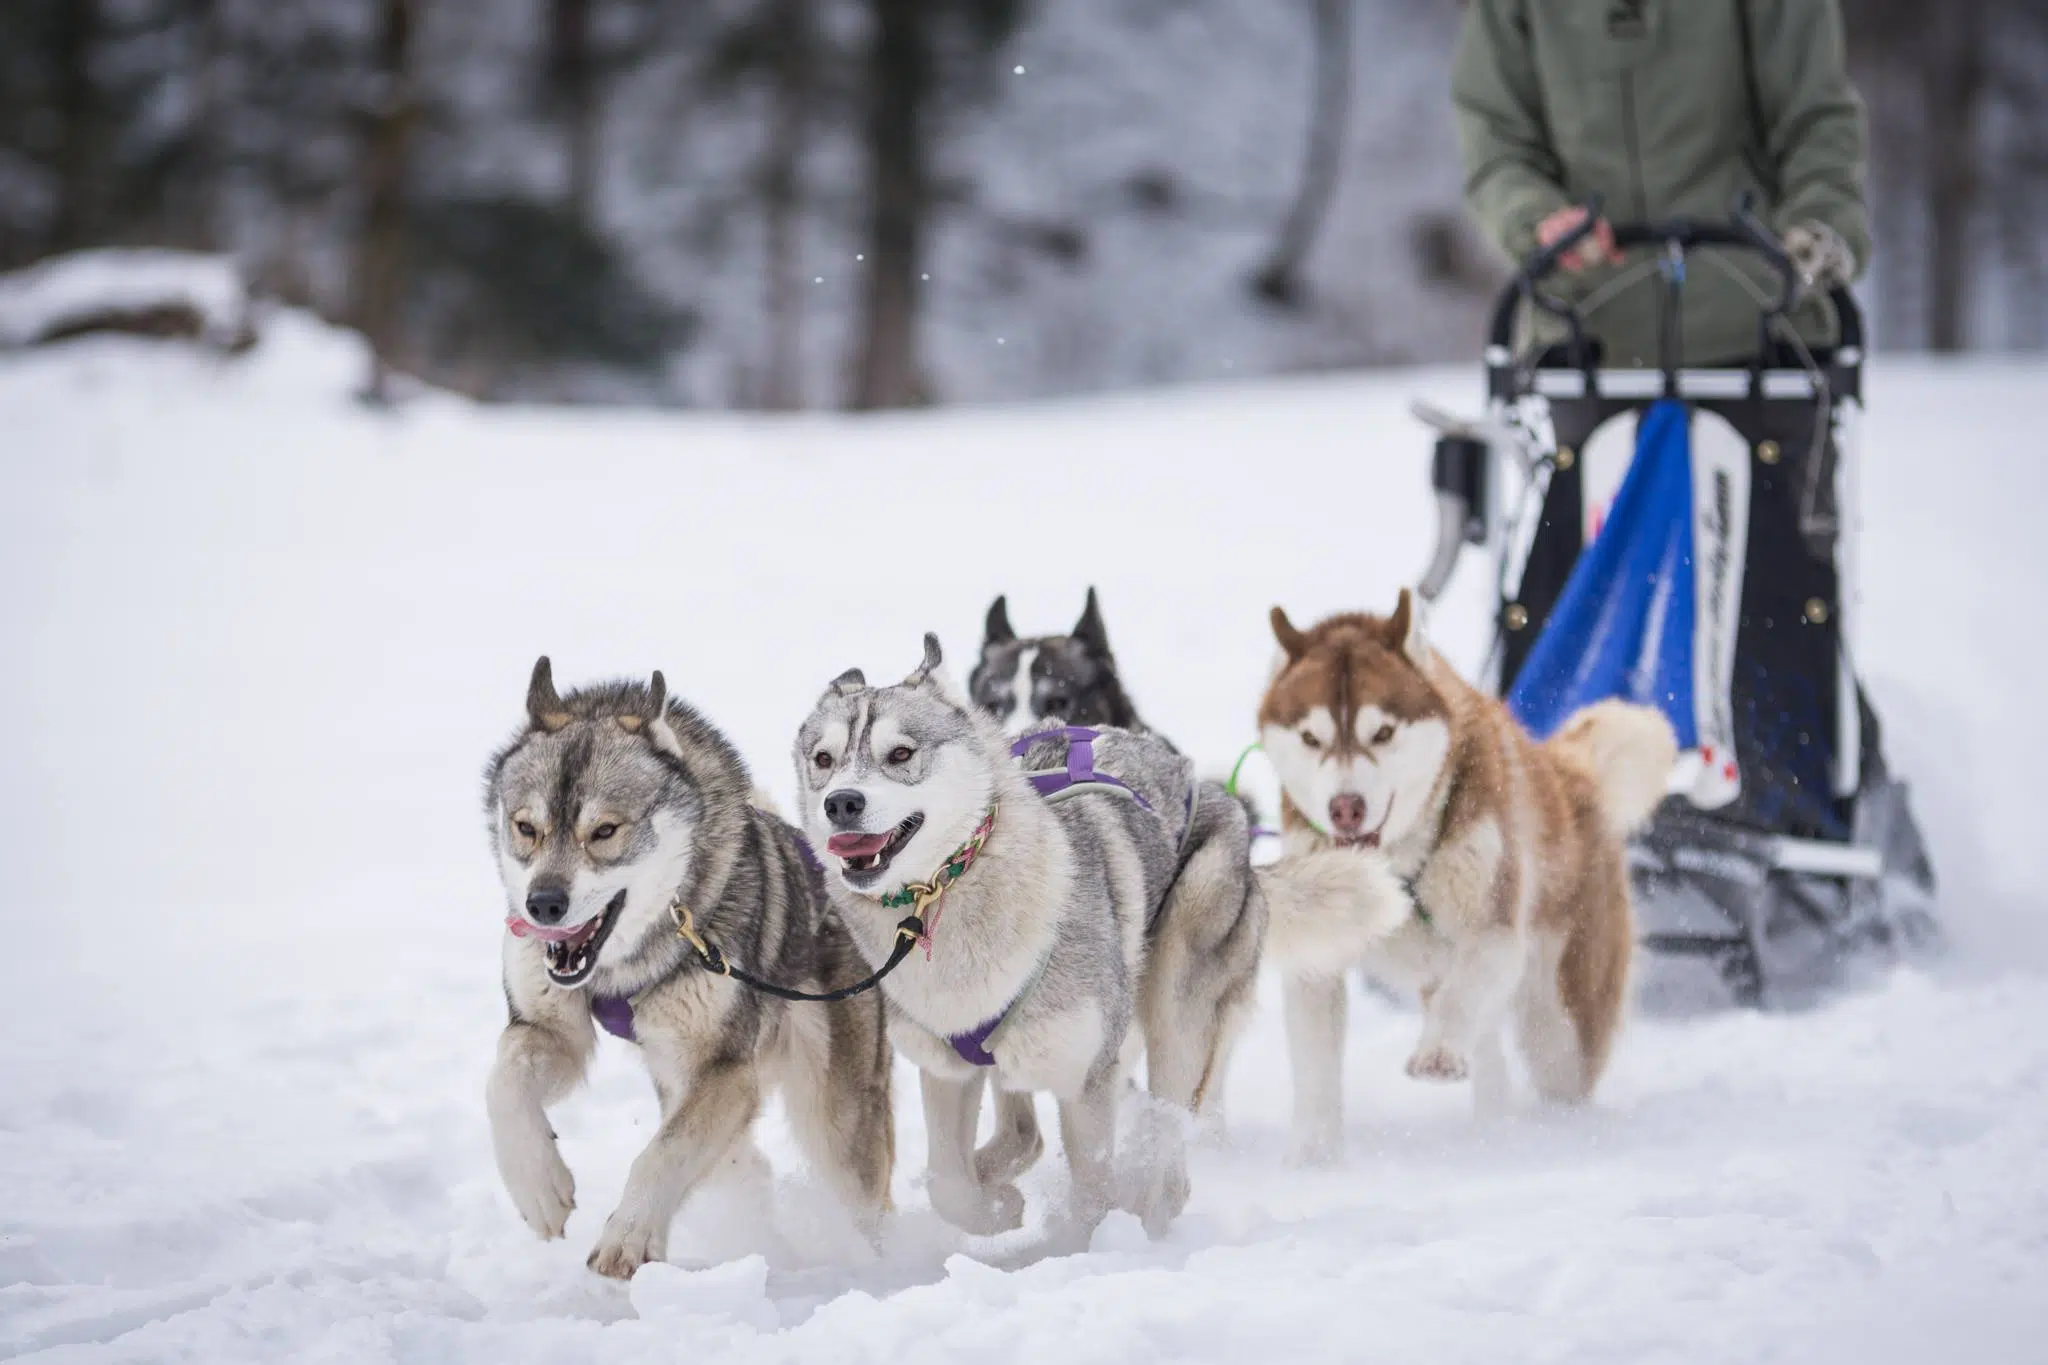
(1665, 108)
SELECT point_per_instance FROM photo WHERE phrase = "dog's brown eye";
(604, 831)
(1308, 737)
(821, 759)
(899, 754)
(526, 830)
(1383, 734)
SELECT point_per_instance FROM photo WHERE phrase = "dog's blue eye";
(899, 754)
(604, 831)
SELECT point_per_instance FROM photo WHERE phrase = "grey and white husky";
(613, 811)
(1073, 931)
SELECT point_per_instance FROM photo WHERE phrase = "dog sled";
(1686, 538)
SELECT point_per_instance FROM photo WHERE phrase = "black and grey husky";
(619, 817)
(1023, 681)
(1107, 908)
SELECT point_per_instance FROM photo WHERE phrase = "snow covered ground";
(258, 643)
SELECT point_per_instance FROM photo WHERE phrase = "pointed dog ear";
(849, 682)
(932, 659)
(1089, 629)
(1404, 629)
(996, 629)
(1291, 640)
(544, 709)
(652, 709)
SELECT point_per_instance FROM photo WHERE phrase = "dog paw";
(1319, 1150)
(540, 1184)
(1437, 1063)
(626, 1246)
(983, 1211)
(1164, 1197)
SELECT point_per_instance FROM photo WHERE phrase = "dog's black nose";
(547, 904)
(844, 806)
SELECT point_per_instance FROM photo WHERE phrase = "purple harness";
(1080, 769)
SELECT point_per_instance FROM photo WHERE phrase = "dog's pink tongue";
(856, 845)
(521, 929)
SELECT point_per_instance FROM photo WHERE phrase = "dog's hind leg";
(839, 1102)
(723, 1098)
(1088, 1131)
(1202, 969)
(1016, 1144)
(952, 1109)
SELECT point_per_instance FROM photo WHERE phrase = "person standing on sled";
(1667, 109)
(1703, 570)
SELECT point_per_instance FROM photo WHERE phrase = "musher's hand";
(1819, 254)
(1596, 248)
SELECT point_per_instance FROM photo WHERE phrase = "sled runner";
(1685, 537)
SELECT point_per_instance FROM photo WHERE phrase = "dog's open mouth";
(1365, 838)
(864, 857)
(571, 960)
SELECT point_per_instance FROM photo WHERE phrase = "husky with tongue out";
(612, 811)
(1084, 900)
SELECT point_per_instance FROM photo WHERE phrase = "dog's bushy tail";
(1629, 750)
(1325, 909)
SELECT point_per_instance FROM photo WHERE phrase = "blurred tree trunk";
(1952, 71)
(782, 385)
(1279, 280)
(196, 211)
(386, 163)
(572, 76)
(80, 159)
(898, 87)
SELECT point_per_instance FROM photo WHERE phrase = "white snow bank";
(259, 642)
(52, 295)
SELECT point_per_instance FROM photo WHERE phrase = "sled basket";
(1684, 537)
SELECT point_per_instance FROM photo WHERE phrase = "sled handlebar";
(1743, 231)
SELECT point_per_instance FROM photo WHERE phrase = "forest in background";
(787, 204)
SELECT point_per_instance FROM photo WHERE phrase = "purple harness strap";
(1080, 769)
(614, 1014)
(973, 1044)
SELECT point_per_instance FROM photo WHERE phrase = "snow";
(61, 290)
(260, 641)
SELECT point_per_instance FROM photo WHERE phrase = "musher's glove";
(1819, 254)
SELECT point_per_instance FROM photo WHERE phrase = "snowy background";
(259, 641)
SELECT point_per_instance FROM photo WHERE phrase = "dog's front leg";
(1468, 1000)
(537, 1065)
(1315, 1008)
(952, 1111)
(722, 1101)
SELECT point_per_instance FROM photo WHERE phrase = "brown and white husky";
(1511, 850)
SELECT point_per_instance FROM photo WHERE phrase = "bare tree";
(80, 154)
(573, 83)
(386, 162)
(793, 73)
(1330, 110)
(1953, 73)
(899, 81)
